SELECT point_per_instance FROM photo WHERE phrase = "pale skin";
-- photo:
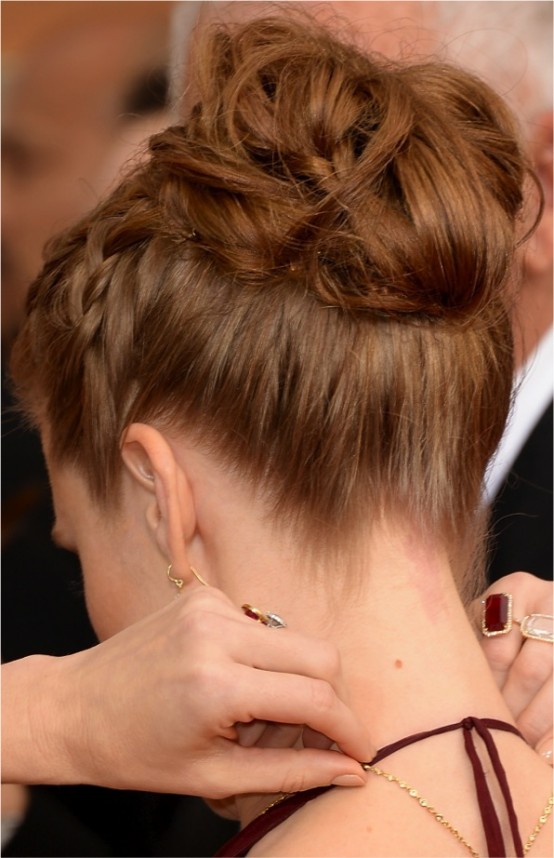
(179, 505)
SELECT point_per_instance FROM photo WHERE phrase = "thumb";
(287, 770)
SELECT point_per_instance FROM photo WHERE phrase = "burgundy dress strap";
(241, 843)
(490, 723)
(489, 817)
(491, 824)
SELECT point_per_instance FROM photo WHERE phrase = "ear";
(539, 259)
(170, 511)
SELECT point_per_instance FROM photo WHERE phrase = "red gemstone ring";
(497, 615)
(267, 618)
(497, 619)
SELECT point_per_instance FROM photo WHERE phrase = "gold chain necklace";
(426, 805)
(275, 801)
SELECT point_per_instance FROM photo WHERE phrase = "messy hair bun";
(308, 273)
(384, 188)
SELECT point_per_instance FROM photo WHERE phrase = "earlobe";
(169, 506)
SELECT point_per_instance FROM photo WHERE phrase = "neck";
(410, 659)
(422, 668)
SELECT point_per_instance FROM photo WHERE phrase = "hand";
(523, 667)
(156, 707)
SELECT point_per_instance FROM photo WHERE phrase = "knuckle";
(497, 656)
(196, 600)
(201, 623)
(532, 668)
(296, 780)
(331, 660)
(520, 578)
(207, 678)
(209, 787)
(527, 590)
(323, 696)
(204, 612)
(210, 596)
(532, 725)
(513, 582)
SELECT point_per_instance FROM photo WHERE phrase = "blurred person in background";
(94, 85)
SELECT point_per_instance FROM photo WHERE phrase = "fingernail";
(349, 781)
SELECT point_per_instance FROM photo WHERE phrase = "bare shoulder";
(319, 829)
(381, 820)
(353, 823)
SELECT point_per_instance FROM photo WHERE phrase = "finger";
(253, 644)
(286, 651)
(282, 771)
(501, 653)
(268, 734)
(292, 699)
(545, 748)
(531, 595)
(535, 721)
(313, 739)
(281, 736)
(530, 670)
(250, 734)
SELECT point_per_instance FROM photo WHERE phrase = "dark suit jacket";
(521, 524)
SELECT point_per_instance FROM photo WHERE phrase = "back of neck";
(411, 658)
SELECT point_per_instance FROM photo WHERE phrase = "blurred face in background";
(67, 130)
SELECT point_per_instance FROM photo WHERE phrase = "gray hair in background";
(183, 19)
(508, 44)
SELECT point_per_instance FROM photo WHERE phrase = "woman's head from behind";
(307, 280)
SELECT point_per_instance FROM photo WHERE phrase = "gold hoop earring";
(177, 581)
(198, 576)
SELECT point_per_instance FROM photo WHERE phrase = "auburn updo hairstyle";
(309, 275)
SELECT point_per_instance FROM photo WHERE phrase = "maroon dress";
(259, 827)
